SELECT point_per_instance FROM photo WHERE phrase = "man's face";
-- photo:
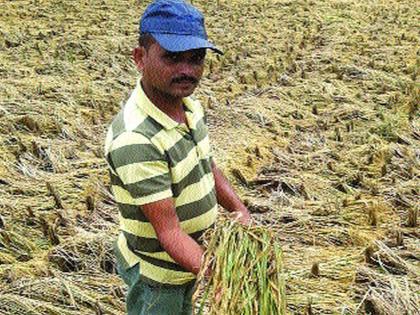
(172, 74)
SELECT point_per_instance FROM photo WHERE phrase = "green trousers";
(145, 299)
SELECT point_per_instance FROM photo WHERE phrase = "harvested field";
(313, 113)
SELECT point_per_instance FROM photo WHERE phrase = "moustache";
(185, 79)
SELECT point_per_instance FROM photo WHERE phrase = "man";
(163, 177)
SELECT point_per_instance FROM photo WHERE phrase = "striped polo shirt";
(152, 157)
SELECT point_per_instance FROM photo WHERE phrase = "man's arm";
(227, 197)
(178, 244)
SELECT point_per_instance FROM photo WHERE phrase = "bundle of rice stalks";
(246, 276)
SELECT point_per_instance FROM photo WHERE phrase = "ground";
(313, 115)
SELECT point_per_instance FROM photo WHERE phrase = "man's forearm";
(183, 249)
(226, 196)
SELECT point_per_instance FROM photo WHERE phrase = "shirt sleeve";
(142, 169)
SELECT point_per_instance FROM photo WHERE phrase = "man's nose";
(188, 69)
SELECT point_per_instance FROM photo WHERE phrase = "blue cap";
(176, 26)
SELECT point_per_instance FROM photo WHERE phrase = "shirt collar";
(146, 105)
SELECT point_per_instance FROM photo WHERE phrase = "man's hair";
(146, 40)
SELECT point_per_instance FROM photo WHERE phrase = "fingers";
(241, 217)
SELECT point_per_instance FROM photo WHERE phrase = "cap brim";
(178, 43)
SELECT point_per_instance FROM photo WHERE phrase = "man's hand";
(243, 217)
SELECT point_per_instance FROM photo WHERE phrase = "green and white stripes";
(151, 157)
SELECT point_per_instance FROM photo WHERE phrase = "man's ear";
(138, 57)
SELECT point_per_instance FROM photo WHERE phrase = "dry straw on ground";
(386, 294)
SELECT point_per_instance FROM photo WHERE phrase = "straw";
(247, 275)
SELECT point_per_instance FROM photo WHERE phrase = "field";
(313, 114)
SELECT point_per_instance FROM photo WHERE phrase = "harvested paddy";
(313, 114)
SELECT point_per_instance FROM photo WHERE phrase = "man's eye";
(198, 58)
(173, 57)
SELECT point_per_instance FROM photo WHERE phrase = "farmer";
(163, 177)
